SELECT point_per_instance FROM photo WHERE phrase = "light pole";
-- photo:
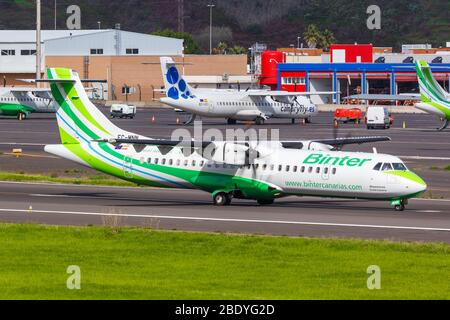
(210, 6)
(55, 15)
(38, 41)
(99, 24)
(298, 42)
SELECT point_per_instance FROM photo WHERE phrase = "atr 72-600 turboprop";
(233, 105)
(261, 171)
(20, 102)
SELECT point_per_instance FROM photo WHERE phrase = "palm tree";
(312, 36)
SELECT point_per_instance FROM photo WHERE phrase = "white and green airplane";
(435, 99)
(20, 102)
(262, 171)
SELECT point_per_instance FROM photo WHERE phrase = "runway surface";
(425, 151)
(425, 220)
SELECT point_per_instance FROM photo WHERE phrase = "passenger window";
(194, 163)
(288, 168)
(318, 170)
(149, 160)
(303, 169)
(186, 163)
(334, 171)
(163, 161)
(387, 167)
(295, 169)
(310, 169)
(264, 167)
(326, 170)
(202, 164)
(178, 162)
(170, 162)
(272, 167)
(156, 161)
(378, 166)
(280, 168)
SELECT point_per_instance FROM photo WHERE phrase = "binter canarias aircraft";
(20, 102)
(233, 105)
(261, 171)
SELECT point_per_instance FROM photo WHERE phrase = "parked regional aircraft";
(261, 171)
(20, 102)
(432, 99)
(251, 105)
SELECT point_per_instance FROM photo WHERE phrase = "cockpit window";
(387, 167)
(399, 167)
(378, 166)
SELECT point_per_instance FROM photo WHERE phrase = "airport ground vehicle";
(245, 169)
(343, 115)
(378, 118)
(123, 111)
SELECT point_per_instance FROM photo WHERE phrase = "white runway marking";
(323, 224)
(423, 158)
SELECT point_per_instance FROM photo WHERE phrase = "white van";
(378, 118)
(123, 111)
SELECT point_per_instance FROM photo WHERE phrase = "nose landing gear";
(400, 205)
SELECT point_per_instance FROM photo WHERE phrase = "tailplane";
(79, 120)
(176, 87)
(430, 89)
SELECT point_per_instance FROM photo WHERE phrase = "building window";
(96, 51)
(8, 52)
(132, 51)
(128, 90)
(27, 52)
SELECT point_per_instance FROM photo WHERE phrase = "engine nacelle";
(229, 153)
(315, 146)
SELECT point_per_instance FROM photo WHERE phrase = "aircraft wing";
(25, 90)
(159, 142)
(337, 143)
(386, 97)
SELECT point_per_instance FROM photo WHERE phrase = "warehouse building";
(128, 61)
(352, 69)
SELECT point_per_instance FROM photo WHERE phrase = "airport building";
(128, 61)
(351, 69)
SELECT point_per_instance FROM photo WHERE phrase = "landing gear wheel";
(21, 116)
(259, 121)
(222, 199)
(265, 202)
(231, 122)
(293, 121)
(402, 206)
(308, 121)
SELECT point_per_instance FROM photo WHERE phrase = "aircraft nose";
(418, 185)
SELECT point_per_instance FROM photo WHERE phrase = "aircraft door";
(128, 167)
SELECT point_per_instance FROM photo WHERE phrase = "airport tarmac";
(424, 220)
(425, 151)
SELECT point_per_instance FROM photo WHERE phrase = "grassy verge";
(100, 180)
(122, 263)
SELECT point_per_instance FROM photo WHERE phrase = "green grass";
(122, 263)
(100, 180)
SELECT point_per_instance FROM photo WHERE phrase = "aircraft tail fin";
(430, 89)
(79, 120)
(176, 87)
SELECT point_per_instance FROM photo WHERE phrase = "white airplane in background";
(233, 105)
(20, 102)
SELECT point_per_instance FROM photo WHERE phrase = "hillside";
(275, 22)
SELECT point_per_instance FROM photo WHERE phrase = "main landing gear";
(223, 199)
(444, 125)
(21, 116)
(400, 205)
